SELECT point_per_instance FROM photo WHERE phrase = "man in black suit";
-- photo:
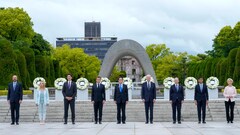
(121, 99)
(69, 92)
(176, 97)
(201, 99)
(148, 95)
(98, 99)
(14, 98)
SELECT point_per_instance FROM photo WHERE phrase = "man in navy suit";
(121, 99)
(69, 92)
(14, 98)
(148, 95)
(201, 99)
(176, 97)
(98, 99)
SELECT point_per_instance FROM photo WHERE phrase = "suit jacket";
(72, 92)
(98, 93)
(148, 94)
(15, 95)
(201, 96)
(121, 97)
(46, 97)
(175, 94)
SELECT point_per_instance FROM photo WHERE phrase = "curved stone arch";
(123, 48)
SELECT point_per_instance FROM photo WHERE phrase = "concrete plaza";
(131, 128)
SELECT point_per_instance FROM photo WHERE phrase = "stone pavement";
(131, 128)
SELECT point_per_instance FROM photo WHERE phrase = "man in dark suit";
(176, 97)
(121, 99)
(14, 98)
(98, 99)
(201, 99)
(148, 95)
(69, 92)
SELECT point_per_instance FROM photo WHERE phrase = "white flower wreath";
(82, 83)
(127, 81)
(143, 80)
(106, 82)
(37, 81)
(212, 82)
(58, 83)
(190, 82)
(168, 82)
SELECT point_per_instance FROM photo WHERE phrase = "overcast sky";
(183, 25)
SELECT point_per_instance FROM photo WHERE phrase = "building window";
(133, 71)
(133, 62)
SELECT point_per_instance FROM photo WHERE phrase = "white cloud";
(184, 25)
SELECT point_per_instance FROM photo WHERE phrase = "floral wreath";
(190, 82)
(168, 82)
(212, 82)
(82, 83)
(58, 83)
(143, 80)
(37, 81)
(106, 82)
(127, 81)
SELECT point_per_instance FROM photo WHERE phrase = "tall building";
(92, 43)
(92, 29)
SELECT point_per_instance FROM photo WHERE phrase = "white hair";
(230, 79)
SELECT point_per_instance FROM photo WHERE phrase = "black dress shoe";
(174, 122)
(204, 122)
(65, 123)
(123, 122)
(73, 123)
(100, 122)
(179, 122)
(17, 123)
(118, 122)
(199, 122)
(151, 122)
(95, 122)
(146, 122)
(227, 121)
(12, 123)
(231, 121)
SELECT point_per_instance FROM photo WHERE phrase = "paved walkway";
(131, 128)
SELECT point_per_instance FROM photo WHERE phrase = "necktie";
(149, 86)
(14, 86)
(98, 85)
(177, 87)
(121, 88)
(69, 84)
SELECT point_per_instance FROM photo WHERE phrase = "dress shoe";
(228, 121)
(65, 123)
(17, 123)
(123, 122)
(204, 122)
(118, 122)
(146, 122)
(100, 122)
(151, 122)
(12, 123)
(95, 122)
(179, 122)
(231, 121)
(73, 123)
(174, 122)
(199, 122)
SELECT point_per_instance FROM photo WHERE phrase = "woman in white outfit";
(42, 101)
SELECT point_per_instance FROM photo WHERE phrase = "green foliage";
(16, 25)
(116, 73)
(40, 46)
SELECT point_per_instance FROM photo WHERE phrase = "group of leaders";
(98, 98)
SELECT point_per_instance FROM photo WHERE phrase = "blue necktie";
(120, 88)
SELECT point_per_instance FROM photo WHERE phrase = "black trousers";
(121, 108)
(149, 106)
(176, 107)
(201, 108)
(66, 106)
(98, 106)
(15, 106)
(229, 104)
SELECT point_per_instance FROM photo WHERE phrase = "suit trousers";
(121, 108)
(98, 106)
(66, 106)
(176, 108)
(201, 109)
(15, 106)
(229, 105)
(149, 106)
